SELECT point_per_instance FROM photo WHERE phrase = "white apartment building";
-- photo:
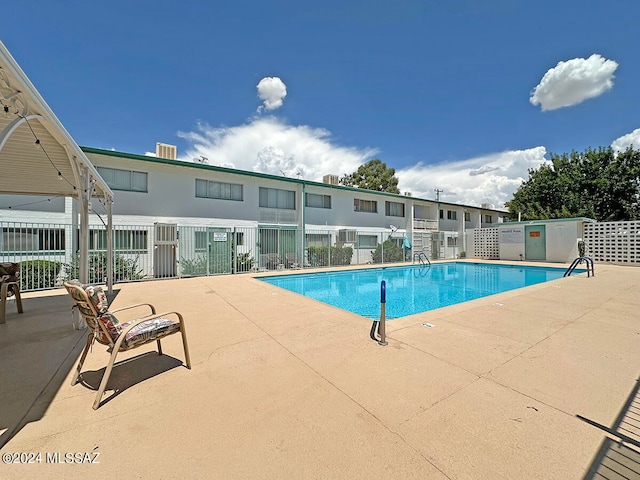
(166, 210)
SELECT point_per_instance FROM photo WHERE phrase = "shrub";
(194, 266)
(319, 256)
(392, 252)
(39, 274)
(124, 269)
(244, 263)
(219, 264)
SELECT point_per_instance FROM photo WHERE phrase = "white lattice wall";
(613, 242)
(485, 243)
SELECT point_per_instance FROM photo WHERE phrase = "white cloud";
(268, 145)
(574, 81)
(271, 90)
(150, 154)
(487, 179)
(625, 141)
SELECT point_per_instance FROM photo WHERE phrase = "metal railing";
(587, 260)
(48, 252)
(422, 258)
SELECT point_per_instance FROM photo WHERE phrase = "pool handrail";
(587, 260)
(421, 257)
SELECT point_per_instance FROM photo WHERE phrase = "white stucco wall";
(511, 242)
(561, 240)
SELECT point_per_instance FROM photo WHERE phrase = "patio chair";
(274, 262)
(105, 328)
(9, 285)
(292, 262)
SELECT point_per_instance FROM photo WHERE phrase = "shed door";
(535, 245)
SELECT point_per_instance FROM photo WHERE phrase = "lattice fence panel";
(485, 243)
(613, 242)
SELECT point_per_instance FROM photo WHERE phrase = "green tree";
(599, 184)
(373, 175)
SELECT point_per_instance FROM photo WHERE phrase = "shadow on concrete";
(129, 372)
(38, 349)
(619, 454)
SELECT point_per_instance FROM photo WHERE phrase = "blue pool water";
(412, 289)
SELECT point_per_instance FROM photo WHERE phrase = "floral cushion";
(148, 331)
(9, 272)
(114, 327)
(145, 332)
(99, 302)
(96, 296)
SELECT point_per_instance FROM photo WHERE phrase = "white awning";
(39, 157)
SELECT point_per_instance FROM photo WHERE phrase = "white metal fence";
(47, 252)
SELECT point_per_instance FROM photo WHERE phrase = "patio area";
(285, 387)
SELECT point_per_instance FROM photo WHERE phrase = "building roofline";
(215, 168)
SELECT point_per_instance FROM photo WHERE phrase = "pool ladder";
(422, 258)
(587, 260)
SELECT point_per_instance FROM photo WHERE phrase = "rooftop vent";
(489, 206)
(331, 179)
(164, 150)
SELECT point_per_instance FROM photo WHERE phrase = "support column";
(83, 244)
(109, 247)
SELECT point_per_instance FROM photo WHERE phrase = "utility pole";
(438, 192)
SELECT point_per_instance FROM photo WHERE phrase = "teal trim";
(542, 222)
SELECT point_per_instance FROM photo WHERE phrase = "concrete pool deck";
(285, 387)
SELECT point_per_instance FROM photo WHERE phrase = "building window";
(452, 215)
(394, 209)
(370, 206)
(488, 219)
(239, 238)
(452, 241)
(318, 201)
(367, 241)
(218, 190)
(32, 240)
(276, 198)
(318, 240)
(441, 213)
(467, 216)
(127, 180)
(123, 240)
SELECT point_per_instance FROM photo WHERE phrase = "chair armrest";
(153, 309)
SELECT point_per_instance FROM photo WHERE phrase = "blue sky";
(464, 96)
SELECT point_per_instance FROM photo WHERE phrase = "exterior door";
(220, 247)
(535, 245)
(164, 250)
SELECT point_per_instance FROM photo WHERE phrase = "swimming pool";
(412, 289)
